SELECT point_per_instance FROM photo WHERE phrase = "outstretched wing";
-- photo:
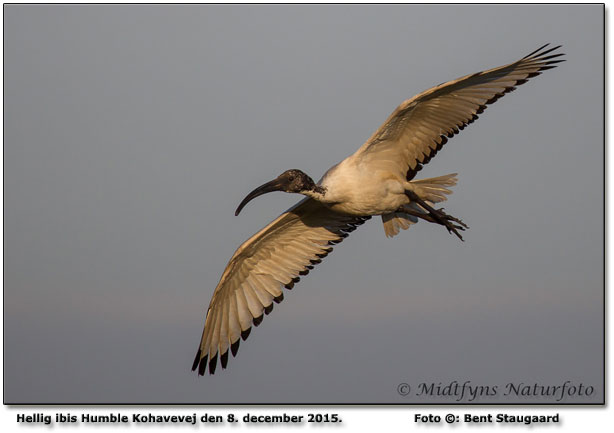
(420, 126)
(273, 258)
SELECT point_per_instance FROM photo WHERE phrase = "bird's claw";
(461, 225)
(448, 221)
(438, 216)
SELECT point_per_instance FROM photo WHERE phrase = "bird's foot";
(453, 224)
(438, 216)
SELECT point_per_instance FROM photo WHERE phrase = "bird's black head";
(289, 181)
(295, 181)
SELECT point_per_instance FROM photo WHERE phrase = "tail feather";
(434, 189)
(397, 221)
(431, 190)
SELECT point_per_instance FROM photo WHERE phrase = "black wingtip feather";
(213, 364)
(553, 56)
(258, 320)
(292, 282)
(196, 361)
(245, 333)
(279, 298)
(540, 56)
(268, 309)
(494, 99)
(203, 366)
(536, 51)
(234, 347)
(224, 360)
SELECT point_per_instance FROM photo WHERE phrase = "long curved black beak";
(271, 186)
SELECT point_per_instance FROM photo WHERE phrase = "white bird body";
(358, 189)
(376, 180)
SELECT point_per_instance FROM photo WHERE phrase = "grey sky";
(132, 133)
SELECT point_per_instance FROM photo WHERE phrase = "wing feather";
(234, 321)
(215, 333)
(270, 285)
(245, 317)
(224, 336)
(420, 126)
(254, 305)
(273, 258)
(264, 297)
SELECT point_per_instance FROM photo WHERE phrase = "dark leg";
(435, 215)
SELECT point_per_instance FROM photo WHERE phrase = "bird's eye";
(291, 178)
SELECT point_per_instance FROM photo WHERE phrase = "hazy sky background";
(132, 133)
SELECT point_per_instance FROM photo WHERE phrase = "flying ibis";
(376, 180)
